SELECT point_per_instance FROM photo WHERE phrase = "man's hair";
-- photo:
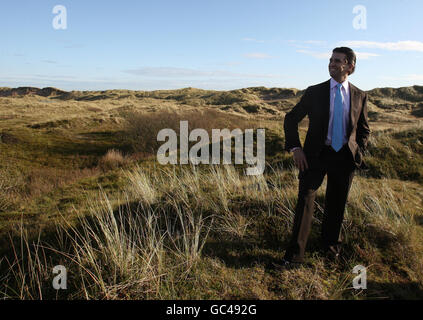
(349, 53)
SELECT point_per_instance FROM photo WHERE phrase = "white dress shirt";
(345, 93)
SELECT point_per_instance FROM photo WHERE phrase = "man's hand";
(300, 159)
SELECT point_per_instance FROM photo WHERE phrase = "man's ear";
(351, 68)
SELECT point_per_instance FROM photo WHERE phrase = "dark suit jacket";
(315, 103)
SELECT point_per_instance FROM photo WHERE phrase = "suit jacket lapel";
(353, 105)
(326, 106)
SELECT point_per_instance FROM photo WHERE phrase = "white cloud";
(391, 46)
(49, 61)
(406, 77)
(74, 46)
(305, 44)
(252, 40)
(366, 55)
(50, 78)
(313, 42)
(172, 72)
(327, 55)
(414, 77)
(318, 55)
(166, 72)
(83, 83)
(257, 55)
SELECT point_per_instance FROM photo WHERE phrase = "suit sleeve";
(363, 130)
(292, 119)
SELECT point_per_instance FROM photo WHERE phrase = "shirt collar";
(333, 84)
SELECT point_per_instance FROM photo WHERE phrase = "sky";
(207, 44)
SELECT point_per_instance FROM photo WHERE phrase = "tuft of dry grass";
(112, 159)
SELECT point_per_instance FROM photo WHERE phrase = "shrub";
(142, 128)
(111, 160)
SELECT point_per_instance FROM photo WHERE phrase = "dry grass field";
(80, 186)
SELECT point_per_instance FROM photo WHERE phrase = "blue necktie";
(338, 111)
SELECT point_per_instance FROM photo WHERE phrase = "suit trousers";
(339, 168)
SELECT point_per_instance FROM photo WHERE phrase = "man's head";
(342, 63)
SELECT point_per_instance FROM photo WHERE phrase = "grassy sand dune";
(80, 186)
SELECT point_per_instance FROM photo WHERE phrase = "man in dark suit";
(335, 142)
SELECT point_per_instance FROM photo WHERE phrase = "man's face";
(339, 68)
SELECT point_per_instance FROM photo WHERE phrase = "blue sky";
(209, 44)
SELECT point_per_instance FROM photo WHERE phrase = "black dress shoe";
(332, 252)
(288, 265)
(332, 256)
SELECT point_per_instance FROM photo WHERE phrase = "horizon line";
(182, 88)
